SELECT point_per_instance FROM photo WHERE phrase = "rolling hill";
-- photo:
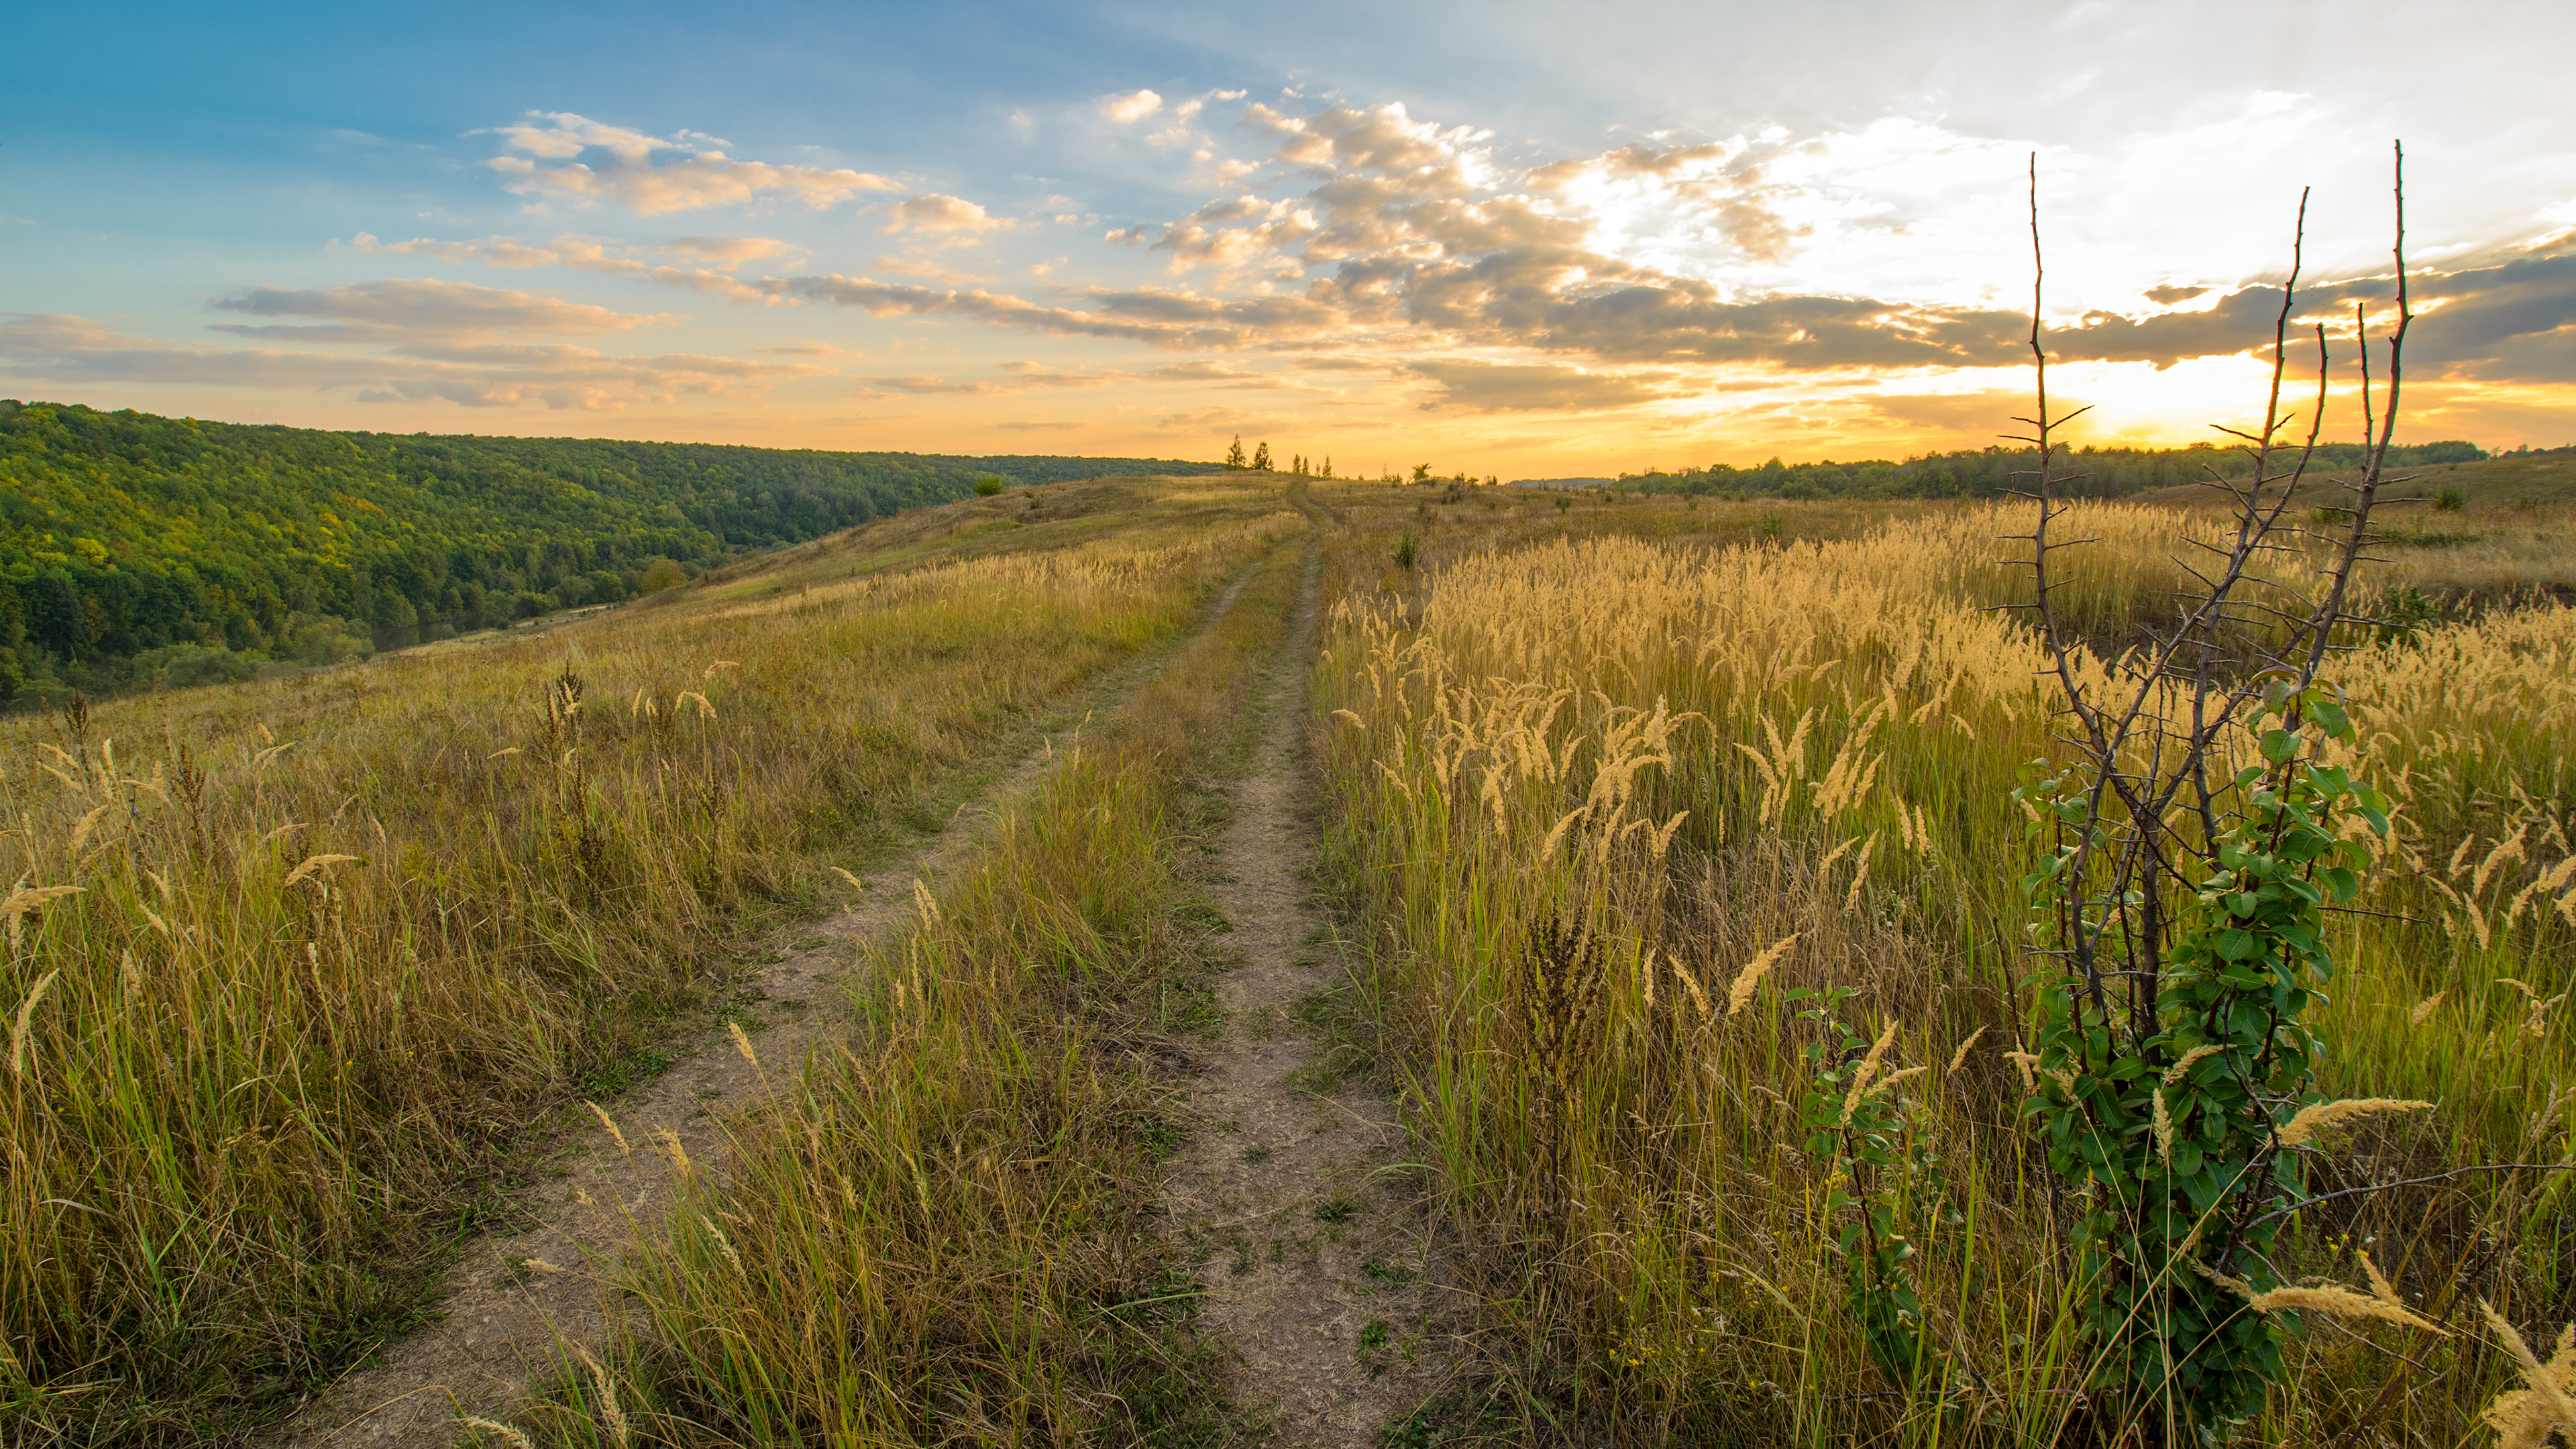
(138, 550)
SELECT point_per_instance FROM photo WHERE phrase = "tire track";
(515, 1297)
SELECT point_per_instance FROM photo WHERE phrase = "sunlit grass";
(1698, 751)
(290, 963)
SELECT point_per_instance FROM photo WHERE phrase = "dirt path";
(513, 1295)
(1314, 1246)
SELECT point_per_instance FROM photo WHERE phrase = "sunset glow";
(1562, 250)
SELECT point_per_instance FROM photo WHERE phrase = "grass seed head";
(2310, 1121)
(1959, 1058)
(1749, 980)
(2341, 1303)
(610, 1123)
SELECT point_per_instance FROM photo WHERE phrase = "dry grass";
(291, 963)
(1698, 751)
(942, 1230)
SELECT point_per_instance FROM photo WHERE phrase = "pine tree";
(1234, 455)
(1261, 457)
(1328, 465)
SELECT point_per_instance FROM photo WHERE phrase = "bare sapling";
(2194, 834)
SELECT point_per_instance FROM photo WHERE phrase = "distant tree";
(1261, 458)
(1234, 455)
(989, 484)
(1328, 465)
(663, 573)
(1421, 472)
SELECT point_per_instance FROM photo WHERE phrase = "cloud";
(589, 254)
(1022, 377)
(924, 384)
(936, 214)
(1202, 371)
(1128, 109)
(730, 251)
(928, 271)
(397, 309)
(701, 176)
(1505, 387)
(1155, 319)
(59, 348)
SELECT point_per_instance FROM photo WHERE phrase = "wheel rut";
(1306, 1231)
(516, 1298)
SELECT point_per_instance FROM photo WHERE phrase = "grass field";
(1699, 748)
(295, 965)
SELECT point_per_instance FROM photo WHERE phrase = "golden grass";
(1700, 750)
(942, 1228)
(291, 962)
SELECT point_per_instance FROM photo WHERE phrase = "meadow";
(295, 967)
(1585, 772)
(300, 968)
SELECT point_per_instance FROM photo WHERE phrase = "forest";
(139, 551)
(1987, 472)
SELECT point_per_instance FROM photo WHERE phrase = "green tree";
(1261, 458)
(1234, 456)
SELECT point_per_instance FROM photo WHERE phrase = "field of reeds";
(1607, 782)
(292, 967)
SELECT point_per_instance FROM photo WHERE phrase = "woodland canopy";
(139, 551)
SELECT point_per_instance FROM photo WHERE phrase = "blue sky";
(1516, 239)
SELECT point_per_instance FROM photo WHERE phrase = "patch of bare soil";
(1313, 1241)
(515, 1296)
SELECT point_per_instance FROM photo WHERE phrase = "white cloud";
(933, 213)
(704, 175)
(1130, 108)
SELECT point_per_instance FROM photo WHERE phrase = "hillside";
(138, 550)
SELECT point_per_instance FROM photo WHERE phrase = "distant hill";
(139, 550)
(1562, 482)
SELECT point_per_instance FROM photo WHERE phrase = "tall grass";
(941, 1228)
(1675, 758)
(289, 964)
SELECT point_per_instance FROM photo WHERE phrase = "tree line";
(138, 550)
(1985, 472)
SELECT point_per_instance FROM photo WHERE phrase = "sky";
(1502, 239)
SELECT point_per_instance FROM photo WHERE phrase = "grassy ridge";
(941, 1229)
(1698, 753)
(293, 961)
